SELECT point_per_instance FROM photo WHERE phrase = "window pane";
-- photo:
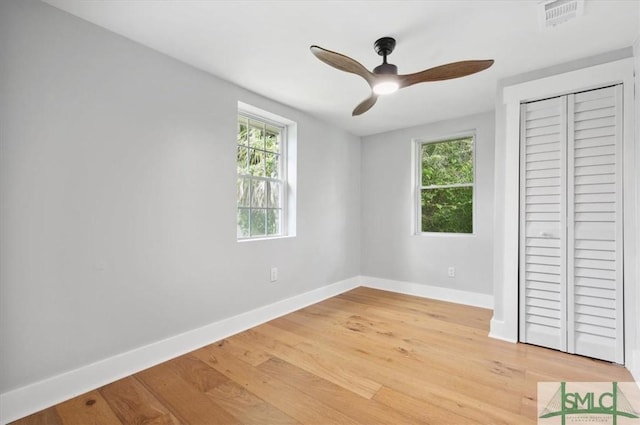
(273, 222)
(259, 194)
(272, 139)
(447, 210)
(256, 134)
(274, 195)
(242, 160)
(258, 227)
(242, 131)
(447, 162)
(256, 163)
(243, 223)
(273, 168)
(242, 193)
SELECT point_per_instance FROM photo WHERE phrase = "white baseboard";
(428, 291)
(497, 330)
(32, 398)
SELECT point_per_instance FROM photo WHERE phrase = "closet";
(571, 234)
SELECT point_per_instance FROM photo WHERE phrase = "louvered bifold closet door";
(543, 223)
(594, 238)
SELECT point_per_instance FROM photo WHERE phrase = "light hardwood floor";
(363, 357)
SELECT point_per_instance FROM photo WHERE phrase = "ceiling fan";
(385, 79)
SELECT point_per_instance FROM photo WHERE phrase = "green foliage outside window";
(446, 193)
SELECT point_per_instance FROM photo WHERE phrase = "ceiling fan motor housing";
(384, 46)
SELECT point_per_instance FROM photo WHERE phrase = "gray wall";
(117, 197)
(390, 249)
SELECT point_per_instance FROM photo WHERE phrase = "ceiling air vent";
(554, 12)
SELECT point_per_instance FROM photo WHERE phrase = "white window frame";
(418, 187)
(252, 113)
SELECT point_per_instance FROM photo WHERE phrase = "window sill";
(447, 235)
(265, 238)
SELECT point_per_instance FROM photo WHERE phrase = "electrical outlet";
(451, 271)
(274, 274)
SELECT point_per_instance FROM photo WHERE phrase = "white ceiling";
(264, 47)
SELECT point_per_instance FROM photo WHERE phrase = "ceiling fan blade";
(445, 72)
(365, 105)
(343, 63)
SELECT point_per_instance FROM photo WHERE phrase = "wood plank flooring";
(363, 357)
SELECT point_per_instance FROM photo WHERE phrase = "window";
(261, 182)
(445, 185)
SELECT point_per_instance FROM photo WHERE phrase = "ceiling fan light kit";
(387, 82)
(385, 78)
(385, 87)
